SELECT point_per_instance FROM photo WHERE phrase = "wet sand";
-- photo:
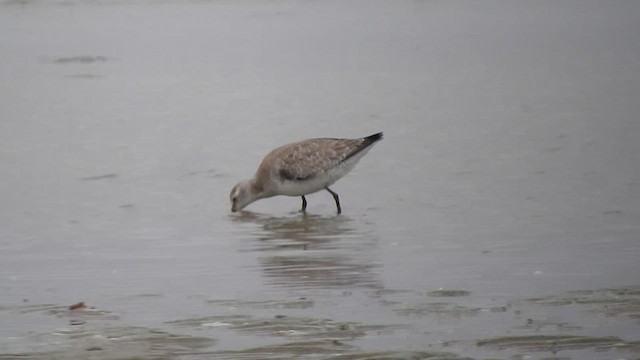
(497, 219)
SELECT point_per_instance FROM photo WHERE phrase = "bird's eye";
(235, 199)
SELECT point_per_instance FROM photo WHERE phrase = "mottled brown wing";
(307, 159)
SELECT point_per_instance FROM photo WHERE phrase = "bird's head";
(243, 194)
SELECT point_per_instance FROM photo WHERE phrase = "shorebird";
(302, 168)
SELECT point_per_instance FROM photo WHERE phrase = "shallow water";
(497, 219)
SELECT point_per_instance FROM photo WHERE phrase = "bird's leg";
(335, 197)
(304, 204)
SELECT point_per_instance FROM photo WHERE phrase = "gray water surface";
(498, 218)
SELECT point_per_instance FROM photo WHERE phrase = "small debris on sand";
(78, 306)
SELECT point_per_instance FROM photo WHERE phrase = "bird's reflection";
(312, 251)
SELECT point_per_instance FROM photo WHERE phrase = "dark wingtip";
(373, 138)
(366, 142)
(369, 140)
